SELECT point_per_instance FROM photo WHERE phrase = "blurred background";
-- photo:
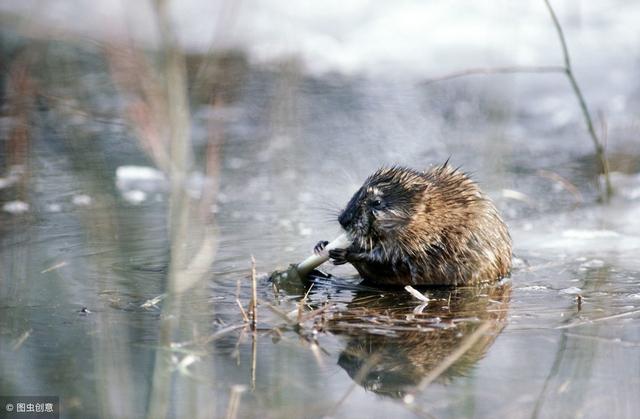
(149, 149)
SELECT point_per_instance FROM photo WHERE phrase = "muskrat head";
(382, 207)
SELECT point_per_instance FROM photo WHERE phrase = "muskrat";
(423, 228)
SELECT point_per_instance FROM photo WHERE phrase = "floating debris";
(153, 302)
(54, 267)
(23, 337)
(15, 207)
(417, 294)
(84, 310)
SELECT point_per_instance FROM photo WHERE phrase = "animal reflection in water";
(390, 349)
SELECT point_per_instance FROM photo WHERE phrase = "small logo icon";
(9, 407)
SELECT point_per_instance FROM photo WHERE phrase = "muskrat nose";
(345, 219)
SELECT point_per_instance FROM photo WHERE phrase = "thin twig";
(254, 291)
(54, 267)
(462, 349)
(254, 358)
(222, 332)
(279, 312)
(496, 70)
(568, 70)
(599, 319)
(23, 337)
(312, 314)
(244, 314)
(302, 303)
(234, 401)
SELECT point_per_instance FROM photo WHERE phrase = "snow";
(360, 36)
(139, 178)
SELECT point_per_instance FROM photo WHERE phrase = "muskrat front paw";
(318, 248)
(338, 256)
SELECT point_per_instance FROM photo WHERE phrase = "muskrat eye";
(376, 203)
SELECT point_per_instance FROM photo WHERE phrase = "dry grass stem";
(254, 295)
(244, 314)
(302, 303)
(234, 401)
(20, 94)
(254, 358)
(570, 187)
(310, 315)
(54, 267)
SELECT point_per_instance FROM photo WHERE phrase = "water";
(85, 265)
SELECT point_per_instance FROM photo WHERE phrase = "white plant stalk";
(314, 261)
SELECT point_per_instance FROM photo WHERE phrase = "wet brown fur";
(424, 228)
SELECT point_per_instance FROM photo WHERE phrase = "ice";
(124, 173)
(54, 207)
(15, 207)
(81, 200)
(589, 234)
(571, 291)
(533, 288)
(141, 178)
(135, 196)
(136, 182)
(593, 263)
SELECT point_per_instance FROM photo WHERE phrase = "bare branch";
(495, 70)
